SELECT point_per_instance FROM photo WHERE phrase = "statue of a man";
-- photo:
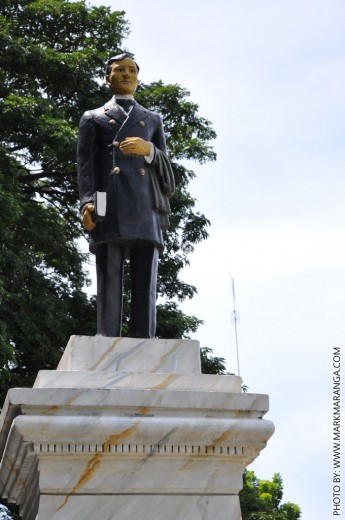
(122, 161)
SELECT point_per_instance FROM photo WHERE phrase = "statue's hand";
(135, 146)
(89, 224)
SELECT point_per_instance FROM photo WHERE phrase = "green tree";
(52, 55)
(261, 499)
(211, 364)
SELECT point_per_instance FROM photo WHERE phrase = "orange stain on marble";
(95, 461)
(118, 437)
(87, 475)
(163, 384)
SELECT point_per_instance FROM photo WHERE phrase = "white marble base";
(148, 507)
(92, 441)
(177, 356)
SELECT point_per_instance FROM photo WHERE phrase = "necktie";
(126, 104)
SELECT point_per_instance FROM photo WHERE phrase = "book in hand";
(100, 203)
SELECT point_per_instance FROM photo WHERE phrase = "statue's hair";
(119, 57)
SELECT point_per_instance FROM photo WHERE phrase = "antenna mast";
(235, 318)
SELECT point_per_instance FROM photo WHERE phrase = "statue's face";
(123, 78)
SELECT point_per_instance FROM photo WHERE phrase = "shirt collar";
(124, 96)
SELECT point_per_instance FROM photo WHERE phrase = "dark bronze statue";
(125, 180)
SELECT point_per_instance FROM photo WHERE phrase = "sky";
(270, 76)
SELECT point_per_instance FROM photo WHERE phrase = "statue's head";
(122, 74)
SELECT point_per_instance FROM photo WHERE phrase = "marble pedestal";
(129, 429)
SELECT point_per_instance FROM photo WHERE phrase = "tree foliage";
(261, 499)
(52, 55)
(211, 364)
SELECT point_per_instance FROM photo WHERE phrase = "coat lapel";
(137, 114)
(113, 111)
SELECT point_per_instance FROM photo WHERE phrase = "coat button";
(116, 144)
(116, 170)
(112, 121)
(142, 123)
(142, 171)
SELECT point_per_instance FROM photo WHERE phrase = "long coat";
(133, 216)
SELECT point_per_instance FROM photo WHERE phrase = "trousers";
(110, 258)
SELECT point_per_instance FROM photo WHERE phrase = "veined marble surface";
(148, 381)
(138, 456)
(134, 450)
(148, 507)
(107, 401)
(199, 436)
(176, 356)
